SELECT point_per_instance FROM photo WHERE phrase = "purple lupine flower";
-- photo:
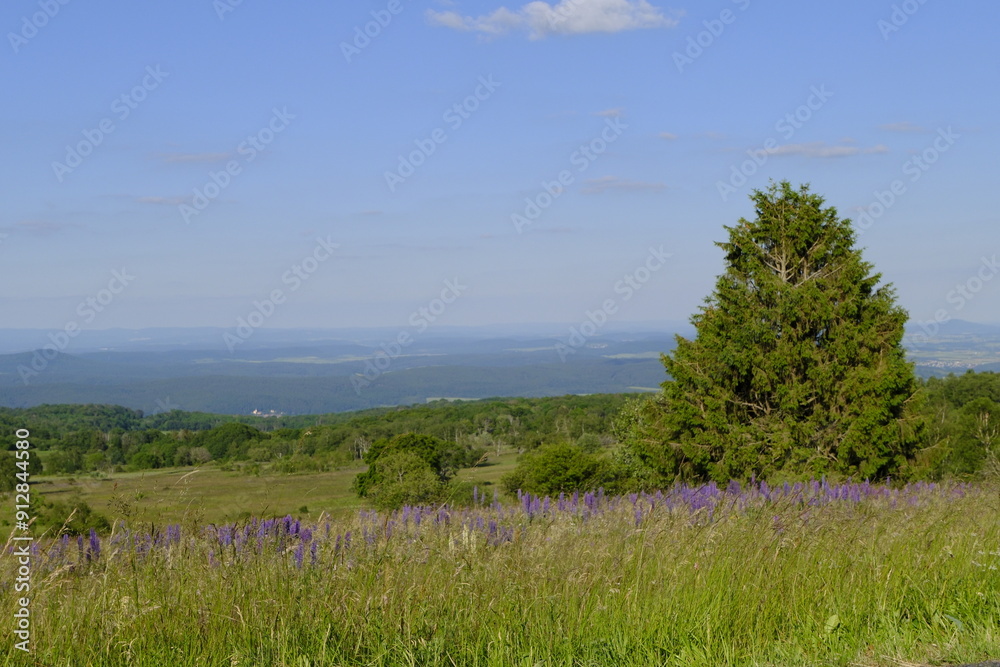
(312, 553)
(95, 546)
(306, 535)
(300, 552)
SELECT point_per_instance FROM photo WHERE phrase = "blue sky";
(169, 100)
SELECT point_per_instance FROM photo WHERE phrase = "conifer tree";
(796, 368)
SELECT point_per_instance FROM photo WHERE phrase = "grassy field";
(210, 495)
(813, 575)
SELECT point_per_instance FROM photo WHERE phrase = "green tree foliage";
(405, 478)
(69, 517)
(963, 425)
(442, 458)
(84, 438)
(10, 466)
(797, 367)
(229, 440)
(552, 469)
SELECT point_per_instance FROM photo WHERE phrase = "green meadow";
(217, 494)
(696, 577)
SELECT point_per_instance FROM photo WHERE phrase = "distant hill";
(313, 371)
(309, 388)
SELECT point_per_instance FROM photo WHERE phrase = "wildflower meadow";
(803, 574)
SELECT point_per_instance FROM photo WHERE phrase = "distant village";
(269, 413)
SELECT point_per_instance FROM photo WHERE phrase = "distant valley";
(319, 371)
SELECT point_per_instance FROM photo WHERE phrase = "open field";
(209, 494)
(694, 577)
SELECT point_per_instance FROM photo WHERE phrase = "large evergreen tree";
(797, 367)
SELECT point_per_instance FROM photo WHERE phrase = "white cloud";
(596, 186)
(669, 136)
(821, 149)
(566, 17)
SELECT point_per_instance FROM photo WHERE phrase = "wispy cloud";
(162, 201)
(611, 113)
(903, 126)
(180, 158)
(821, 149)
(669, 136)
(39, 227)
(596, 186)
(566, 17)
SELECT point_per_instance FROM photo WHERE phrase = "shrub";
(405, 479)
(552, 469)
(442, 457)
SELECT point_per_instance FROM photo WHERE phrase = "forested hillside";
(962, 414)
(84, 438)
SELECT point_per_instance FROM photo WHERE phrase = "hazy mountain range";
(299, 371)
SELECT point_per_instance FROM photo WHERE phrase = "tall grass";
(805, 575)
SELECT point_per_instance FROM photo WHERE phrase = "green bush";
(552, 469)
(73, 517)
(442, 457)
(405, 479)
